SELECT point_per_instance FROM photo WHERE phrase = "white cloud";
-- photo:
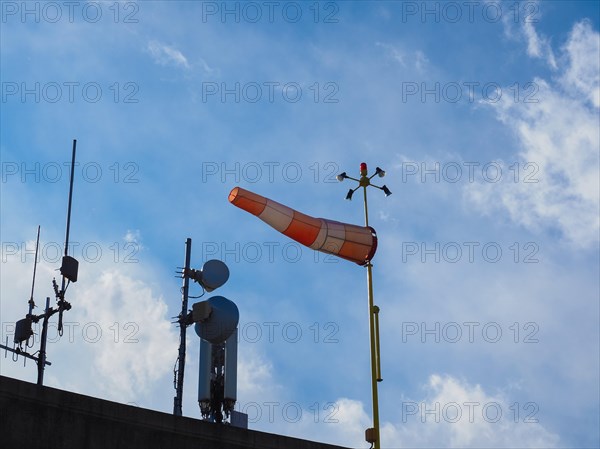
(393, 52)
(166, 55)
(351, 422)
(583, 52)
(133, 243)
(421, 60)
(538, 46)
(255, 376)
(452, 413)
(558, 133)
(132, 236)
(416, 58)
(207, 69)
(135, 341)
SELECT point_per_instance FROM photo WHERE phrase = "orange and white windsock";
(348, 241)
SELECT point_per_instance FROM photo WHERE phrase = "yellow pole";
(374, 356)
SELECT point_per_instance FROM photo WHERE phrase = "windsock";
(348, 241)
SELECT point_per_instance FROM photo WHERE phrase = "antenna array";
(215, 321)
(23, 328)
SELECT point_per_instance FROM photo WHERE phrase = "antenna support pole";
(41, 362)
(178, 400)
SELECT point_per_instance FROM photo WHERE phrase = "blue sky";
(485, 117)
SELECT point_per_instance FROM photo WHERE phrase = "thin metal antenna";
(62, 304)
(37, 245)
(70, 201)
(178, 400)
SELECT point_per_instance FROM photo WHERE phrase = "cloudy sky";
(485, 117)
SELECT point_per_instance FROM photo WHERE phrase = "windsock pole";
(374, 336)
(372, 434)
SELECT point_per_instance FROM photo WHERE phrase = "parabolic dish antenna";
(222, 322)
(214, 274)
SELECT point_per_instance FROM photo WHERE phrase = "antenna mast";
(178, 399)
(214, 274)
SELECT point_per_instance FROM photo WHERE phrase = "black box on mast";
(69, 268)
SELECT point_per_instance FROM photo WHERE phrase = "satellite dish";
(222, 322)
(214, 274)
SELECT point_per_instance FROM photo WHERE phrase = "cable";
(175, 374)
(196, 297)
